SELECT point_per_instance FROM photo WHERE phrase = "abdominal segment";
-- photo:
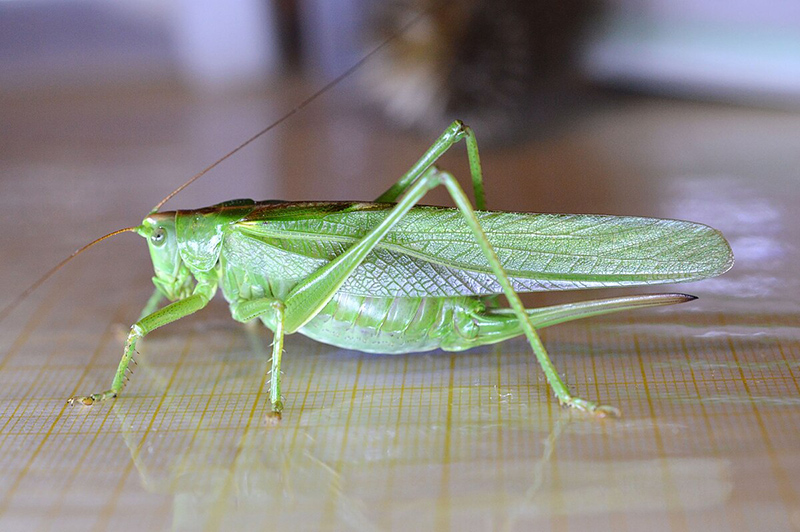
(398, 325)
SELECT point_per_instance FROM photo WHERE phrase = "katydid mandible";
(392, 276)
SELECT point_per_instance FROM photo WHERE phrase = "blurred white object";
(740, 50)
(225, 44)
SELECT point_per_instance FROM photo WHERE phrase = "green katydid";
(394, 277)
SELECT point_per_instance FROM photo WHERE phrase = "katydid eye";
(159, 237)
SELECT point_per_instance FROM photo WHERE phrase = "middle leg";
(246, 311)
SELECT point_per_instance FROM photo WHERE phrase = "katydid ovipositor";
(395, 277)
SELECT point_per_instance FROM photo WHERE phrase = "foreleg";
(172, 312)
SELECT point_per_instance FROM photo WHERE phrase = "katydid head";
(172, 277)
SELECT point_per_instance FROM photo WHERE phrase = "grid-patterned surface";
(470, 441)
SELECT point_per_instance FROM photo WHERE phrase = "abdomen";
(396, 325)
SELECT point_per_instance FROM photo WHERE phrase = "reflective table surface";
(467, 441)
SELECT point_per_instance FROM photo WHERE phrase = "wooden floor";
(473, 441)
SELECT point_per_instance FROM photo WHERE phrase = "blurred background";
(491, 60)
(684, 109)
(740, 50)
(188, 80)
(578, 105)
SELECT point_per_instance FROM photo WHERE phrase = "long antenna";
(20, 298)
(300, 106)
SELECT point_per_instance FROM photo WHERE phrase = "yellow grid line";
(88, 449)
(676, 515)
(225, 492)
(442, 513)
(107, 513)
(5, 503)
(786, 492)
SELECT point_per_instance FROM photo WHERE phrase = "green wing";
(432, 252)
